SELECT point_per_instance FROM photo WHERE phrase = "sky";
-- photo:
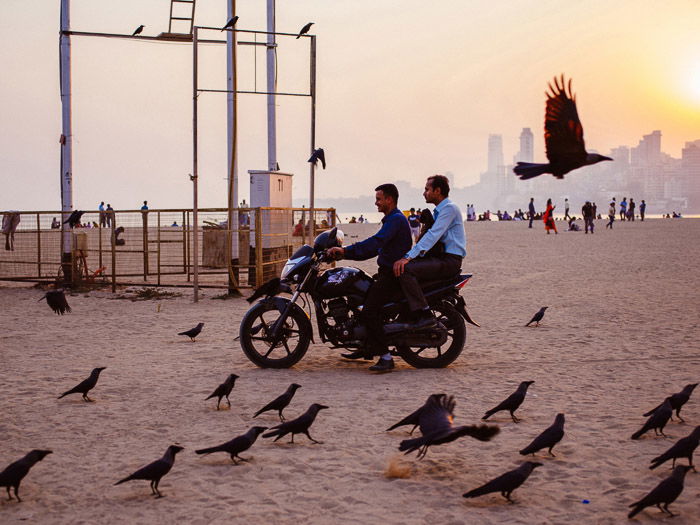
(405, 89)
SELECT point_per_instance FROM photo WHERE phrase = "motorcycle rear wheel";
(255, 341)
(440, 356)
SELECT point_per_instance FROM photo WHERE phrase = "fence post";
(184, 244)
(258, 248)
(158, 237)
(114, 251)
(38, 244)
(187, 245)
(144, 218)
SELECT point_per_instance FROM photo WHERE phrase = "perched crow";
(435, 422)
(683, 448)
(280, 402)
(85, 386)
(74, 218)
(13, 475)
(505, 483)
(236, 445)
(153, 472)
(663, 494)
(193, 332)
(511, 403)
(305, 29)
(224, 389)
(547, 439)
(537, 317)
(231, 23)
(299, 425)
(414, 417)
(56, 299)
(270, 288)
(317, 155)
(677, 401)
(138, 30)
(563, 136)
(657, 420)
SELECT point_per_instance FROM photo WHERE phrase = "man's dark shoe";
(425, 319)
(382, 365)
(357, 354)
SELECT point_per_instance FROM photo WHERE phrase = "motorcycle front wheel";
(256, 341)
(438, 356)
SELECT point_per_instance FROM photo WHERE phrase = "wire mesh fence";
(155, 247)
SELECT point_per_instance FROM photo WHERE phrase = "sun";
(694, 82)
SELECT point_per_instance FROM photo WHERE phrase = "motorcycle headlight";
(287, 268)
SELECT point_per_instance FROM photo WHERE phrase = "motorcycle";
(276, 331)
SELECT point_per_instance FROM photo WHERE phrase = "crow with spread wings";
(563, 136)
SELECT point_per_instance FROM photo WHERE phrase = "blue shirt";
(448, 228)
(390, 242)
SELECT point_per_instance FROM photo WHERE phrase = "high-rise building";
(648, 152)
(690, 165)
(527, 147)
(621, 155)
(495, 153)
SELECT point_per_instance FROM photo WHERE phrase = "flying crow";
(73, 219)
(317, 155)
(56, 299)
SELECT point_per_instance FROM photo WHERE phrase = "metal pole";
(38, 244)
(159, 245)
(66, 141)
(232, 106)
(113, 224)
(195, 233)
(312, 166)
(271, 88)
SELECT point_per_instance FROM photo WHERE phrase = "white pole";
(195, 209)
(231, 106)
(271, 88)
(66, 138)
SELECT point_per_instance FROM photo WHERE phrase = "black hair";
(441, 182)
(389, 190)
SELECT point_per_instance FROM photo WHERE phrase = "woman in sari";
(548, 218)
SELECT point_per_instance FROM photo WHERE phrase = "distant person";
(299, 228)
(499, 215)
(630, 210)
(145, 206)
(566, 209)
(109, 213)
(623, 209)
(506, 217)
(103, 216)
(594, 207)
(174, 225)
(573, 227)
(642, 210)
(353, 220)
(361, 220)
(55, 224)
(531, 211)
(548, 218)
(611, 215)
(587, 212)
(414, 223)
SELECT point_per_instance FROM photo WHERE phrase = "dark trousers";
(566, 215)
(610, 224)
(424, 269)
(381, 291)
(532, 217)
(588, 223)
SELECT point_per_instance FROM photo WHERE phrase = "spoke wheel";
(442, 355)
(256, 340)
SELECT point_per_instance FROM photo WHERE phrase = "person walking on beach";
(566, 209)
(642, 210)
(548, 218)
(587, 212)
(595, 210)
(109, 213)
(623, 209)
(630, 210)
(531, 211)
(103, 217)
(611, 215)
(414, 223)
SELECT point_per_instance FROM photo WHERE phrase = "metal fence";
(155, 247)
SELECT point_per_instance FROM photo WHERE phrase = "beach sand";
(620, 334)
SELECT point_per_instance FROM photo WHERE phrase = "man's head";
(386, 198)
(413, 210)
(437, 188)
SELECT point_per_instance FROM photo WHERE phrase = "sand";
(620, 334)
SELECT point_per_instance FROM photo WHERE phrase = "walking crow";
(280, 402)
(236, 445)
(563, 136)
(547, 439)
(14, 473)
(224, 389)
(677, 401)
(85, 386)
(683, 448)
(435, 422)
(657, 420)
(505, 483)
(153, 472)
(663, 494)
(511, 403)
(299, 425)
(537, 317)
(193, 332)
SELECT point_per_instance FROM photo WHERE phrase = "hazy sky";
(405, 89)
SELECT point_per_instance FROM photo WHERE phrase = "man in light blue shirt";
(425, 261)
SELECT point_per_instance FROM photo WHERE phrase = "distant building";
(690, 177)
(648, 151)
(527, 147)
(495, 153)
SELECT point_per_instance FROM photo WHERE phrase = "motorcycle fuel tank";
(343, 281)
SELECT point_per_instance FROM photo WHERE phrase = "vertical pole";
(99, 245)
(113, 224)
(66, 141)
(159, 244)
(184, 243)
(258, 248)
(232, 106)
(195, 233)
(144, 220)
(312, 166)
(187, 244)
(271, 88)
(38, 244)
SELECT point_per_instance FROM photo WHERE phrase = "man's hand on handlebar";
(336, 253)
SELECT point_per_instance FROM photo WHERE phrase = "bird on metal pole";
(317, 155)
(305, 29)
(138, 30)
(230, 24)
(563, 136)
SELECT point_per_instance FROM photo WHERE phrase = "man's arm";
(434, 234)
